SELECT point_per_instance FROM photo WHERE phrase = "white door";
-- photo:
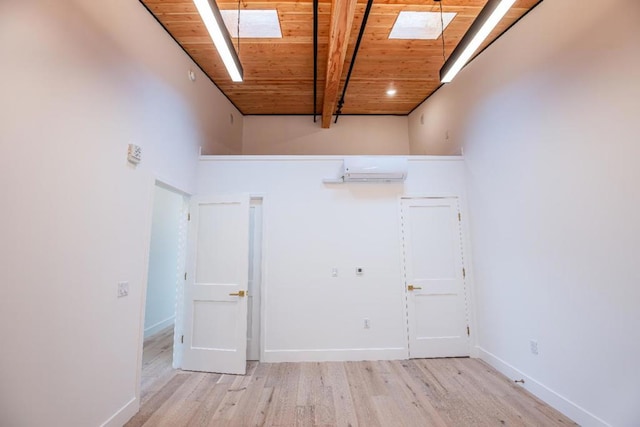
(215, 316)
(434, 272)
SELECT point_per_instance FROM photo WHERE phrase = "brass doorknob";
(413, 288)
(239, 294)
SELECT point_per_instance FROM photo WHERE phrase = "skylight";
(253, 23)
(420, 25)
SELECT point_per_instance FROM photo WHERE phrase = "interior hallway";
(433, 392)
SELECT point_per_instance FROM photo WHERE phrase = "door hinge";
(459, 217)
(464, 273)
(468, 331)
(182, 338)
(189, 216)
(185, 275)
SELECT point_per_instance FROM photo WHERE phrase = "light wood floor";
(421, 392)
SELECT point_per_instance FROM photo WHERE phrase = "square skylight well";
(258, 24)
(420, 25)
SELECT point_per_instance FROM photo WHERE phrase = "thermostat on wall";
(134, 155)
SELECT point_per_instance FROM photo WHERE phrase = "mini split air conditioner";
(372, 169)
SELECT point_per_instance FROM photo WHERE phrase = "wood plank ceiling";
(278, 73)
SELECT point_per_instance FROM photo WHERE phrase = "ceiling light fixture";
(212, 18)
(486, 21)
(391, 92)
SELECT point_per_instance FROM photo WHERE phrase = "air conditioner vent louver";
(374, 169)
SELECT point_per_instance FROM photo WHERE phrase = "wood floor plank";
(453, 407)
(304, 416)
(342, 401)
(260, 414)
(323, 408)
(284, 398)
(304, 396)
(228, 407)
(211, 401)
(250, 400)
(403, 393)
(362, 403)
(488, 395)
(178, 409)
(415, 406)
(158, 399)
(315, 395)
(372, 377)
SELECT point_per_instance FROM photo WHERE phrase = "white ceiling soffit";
(254, 24)
(420, 25)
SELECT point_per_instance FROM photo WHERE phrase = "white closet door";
(436, 306)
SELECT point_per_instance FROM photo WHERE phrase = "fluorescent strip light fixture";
(208, 10)
(486, 21)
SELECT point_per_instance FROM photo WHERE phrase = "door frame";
(468, 283)
(260, 201)
(154, 181)
(263, 272)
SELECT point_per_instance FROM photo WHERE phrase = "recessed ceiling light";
(254, 24)
(391, 92)
(420, 25)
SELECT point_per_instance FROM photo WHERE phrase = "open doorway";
(165, 270)
(159, 361)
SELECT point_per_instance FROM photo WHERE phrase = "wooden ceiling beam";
(341, 21)
(279, 72)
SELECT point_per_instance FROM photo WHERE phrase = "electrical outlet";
(533, 344)
(123, 289)
(367, 324)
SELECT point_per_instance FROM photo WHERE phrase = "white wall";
(310, 228)
(548, 118)
(76, 217)
(299, 135)
(138, 35)
(162, 277)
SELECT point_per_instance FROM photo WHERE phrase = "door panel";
(207, 313)
(436, 307)
(218, 249)
(215, 327)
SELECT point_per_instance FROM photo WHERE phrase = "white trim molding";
(336, 355)
(154, 329)
(298, 158)
(554, 399)
(123, 414)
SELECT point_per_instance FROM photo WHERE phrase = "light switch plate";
(134, 154)
(123, 289)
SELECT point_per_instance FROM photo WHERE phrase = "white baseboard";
(124, 414)
(544, 393)
(154, 329)
(335, 355)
